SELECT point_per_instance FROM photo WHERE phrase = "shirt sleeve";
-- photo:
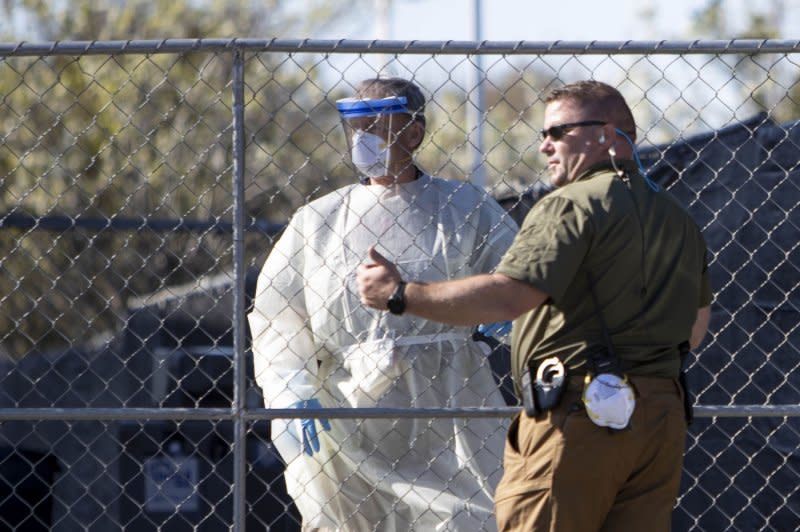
(550, 247)
(283, 345)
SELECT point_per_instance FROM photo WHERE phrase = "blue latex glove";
(310, 436)
(500, 328)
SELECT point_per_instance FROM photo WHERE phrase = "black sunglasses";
(558, 132)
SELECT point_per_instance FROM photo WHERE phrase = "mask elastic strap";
(652, 184)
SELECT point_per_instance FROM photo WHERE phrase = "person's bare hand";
(377, 280)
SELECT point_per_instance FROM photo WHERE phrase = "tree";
(135, 136)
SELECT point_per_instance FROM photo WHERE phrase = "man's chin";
(558, 180)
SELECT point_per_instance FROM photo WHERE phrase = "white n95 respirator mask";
(370, 154)
(609, 400)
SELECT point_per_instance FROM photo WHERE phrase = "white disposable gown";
(312, 337)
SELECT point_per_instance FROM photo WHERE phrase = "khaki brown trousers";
(563, 473)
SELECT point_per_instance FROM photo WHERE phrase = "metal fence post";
(239, 364)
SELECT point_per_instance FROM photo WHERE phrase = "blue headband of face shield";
(354, 107)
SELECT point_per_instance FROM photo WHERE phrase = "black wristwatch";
(397, 301)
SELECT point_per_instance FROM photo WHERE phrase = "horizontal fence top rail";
(733, 46)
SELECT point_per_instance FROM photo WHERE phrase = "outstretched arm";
(484, 298)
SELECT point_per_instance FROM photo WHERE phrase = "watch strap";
(397, 301)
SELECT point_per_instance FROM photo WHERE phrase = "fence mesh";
(133, 231)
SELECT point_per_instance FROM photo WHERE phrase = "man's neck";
(410, 173)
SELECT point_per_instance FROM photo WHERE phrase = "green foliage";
(512, 119)
(134, 136)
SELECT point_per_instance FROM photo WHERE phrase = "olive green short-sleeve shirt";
(647, 261)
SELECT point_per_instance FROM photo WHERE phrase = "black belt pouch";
(540, 395)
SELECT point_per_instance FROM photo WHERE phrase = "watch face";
(395, 306)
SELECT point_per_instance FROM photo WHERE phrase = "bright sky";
(570, 20)
(548, 20)
(511, 20)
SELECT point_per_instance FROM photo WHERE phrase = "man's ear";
(414, 133)
(607, 135)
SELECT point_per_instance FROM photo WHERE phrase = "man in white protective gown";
(315, 345)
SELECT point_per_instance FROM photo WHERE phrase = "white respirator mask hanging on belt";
(609, 400)
(368, 130)
(607, 394)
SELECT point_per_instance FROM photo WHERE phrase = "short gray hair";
(384, 87)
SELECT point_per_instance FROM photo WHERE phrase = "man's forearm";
(485, 298)
(472, 300)
(700, 327)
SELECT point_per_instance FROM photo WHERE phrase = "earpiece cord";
(652, 184)
(613, 154)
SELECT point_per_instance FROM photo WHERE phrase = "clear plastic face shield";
(368, 129)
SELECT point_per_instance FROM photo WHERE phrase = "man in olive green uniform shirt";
(607, 258)
(643, 254)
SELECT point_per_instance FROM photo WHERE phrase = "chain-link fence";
(143, 184)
